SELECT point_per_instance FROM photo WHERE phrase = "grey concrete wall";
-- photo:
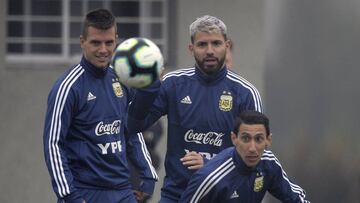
(312, 93)
(24, 177)
(23, 92)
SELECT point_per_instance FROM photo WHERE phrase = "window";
(51, 28)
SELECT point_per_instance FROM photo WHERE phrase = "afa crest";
(226, 101)
(117, 88)
(258, 183)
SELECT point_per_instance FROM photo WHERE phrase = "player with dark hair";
(201, 104)
(85, 136)
(245, 172)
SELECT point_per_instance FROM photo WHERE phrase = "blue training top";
(227, 179)
(200, 111)
(85, 140)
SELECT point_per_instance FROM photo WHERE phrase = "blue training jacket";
(227, 179)
(201, 111)
(85, 140)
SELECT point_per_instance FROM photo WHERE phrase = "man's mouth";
(102, 58)
(210, 61)
(252, 158)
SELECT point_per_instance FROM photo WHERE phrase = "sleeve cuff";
(205, 160)
(147, 186)
(73, 197)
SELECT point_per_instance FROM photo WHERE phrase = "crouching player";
(245, 172)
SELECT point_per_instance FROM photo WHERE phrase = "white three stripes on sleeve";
(212, 179)
(268, 155)
(147, 156)
(256, 95)
(55, 128)
(180, 72)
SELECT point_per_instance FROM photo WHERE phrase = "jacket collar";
(95, 71)
(212, 78)
(241, 166)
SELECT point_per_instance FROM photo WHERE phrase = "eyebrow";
(247, 134)
(100, 41)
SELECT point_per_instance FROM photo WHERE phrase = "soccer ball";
(137, 62)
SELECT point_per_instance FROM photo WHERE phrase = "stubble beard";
(210, 69)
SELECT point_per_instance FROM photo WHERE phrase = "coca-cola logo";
(210, 138)
(108, 129)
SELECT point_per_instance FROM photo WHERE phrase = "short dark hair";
(101, 19)
(251, 117)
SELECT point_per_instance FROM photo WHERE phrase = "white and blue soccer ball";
(137, 62)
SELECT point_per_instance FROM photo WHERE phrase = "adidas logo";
(90, 96)
(186, 100)
(234, 195)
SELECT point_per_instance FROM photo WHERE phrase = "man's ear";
(191, 49)
(82, 40)
(233, 138)
(269, 140)
(227, 44)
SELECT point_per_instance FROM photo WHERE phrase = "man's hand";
(193, 160)
(141, 196)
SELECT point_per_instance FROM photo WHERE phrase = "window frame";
(65, 39)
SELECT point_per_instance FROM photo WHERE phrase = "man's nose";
(210, 50)
(103, 47)
(252, 146)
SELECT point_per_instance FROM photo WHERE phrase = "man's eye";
(259, 139)
(217, 43)
(95, 43)
(245, 139)
(201, 44)
(109, 43)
